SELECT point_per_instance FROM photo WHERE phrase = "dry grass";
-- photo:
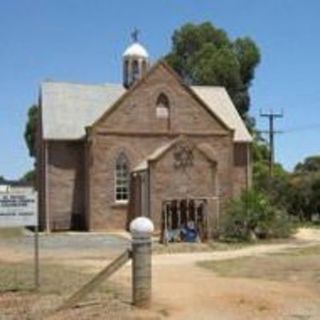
(307, 251)
(8, 233)
(18, 300)
(293, 266)
(184, 247)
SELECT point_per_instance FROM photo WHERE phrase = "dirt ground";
(223, 284)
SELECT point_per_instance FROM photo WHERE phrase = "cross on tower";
(135, 34)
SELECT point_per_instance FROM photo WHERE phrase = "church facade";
(110, 152)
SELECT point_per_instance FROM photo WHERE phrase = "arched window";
(163, 107)
(122, 176)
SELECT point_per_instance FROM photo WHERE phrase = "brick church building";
(110, 152)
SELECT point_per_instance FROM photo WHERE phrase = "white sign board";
(18, 209)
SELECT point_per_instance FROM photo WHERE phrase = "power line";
(309, 127)
(271, 117)
(302, 128)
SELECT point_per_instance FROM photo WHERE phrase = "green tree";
(304, 196)
(2, 179)
(204, 55)
(29, 177)
(277, 186)
(260, 157)
(30, 134)
(31, 129)
(253, 216)
(310, 164)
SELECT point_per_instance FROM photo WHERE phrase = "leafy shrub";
(253, 216)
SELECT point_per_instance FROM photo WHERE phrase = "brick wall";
(242, 168)
(66, 185)
(105, 213)
(198, 180)
(137, 112)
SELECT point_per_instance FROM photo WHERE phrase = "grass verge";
(211, 246)
(300, 265)
(18, 300)
(6, 233)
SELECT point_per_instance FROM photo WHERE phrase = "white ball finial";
(141, 226)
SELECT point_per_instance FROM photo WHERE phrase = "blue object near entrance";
(189, 235)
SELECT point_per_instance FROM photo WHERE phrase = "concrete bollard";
(141, 231)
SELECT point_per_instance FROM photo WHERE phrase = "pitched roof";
(68, 108)
(218, 100)
(143, 165)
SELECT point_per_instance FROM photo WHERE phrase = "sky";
(82, 41)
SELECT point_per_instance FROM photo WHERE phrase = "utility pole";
(271, 117)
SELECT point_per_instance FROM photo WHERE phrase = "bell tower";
(135, 61)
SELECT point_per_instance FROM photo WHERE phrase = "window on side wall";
(122, 177)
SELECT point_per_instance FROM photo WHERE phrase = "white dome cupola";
(136, 50)
(135, 61)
